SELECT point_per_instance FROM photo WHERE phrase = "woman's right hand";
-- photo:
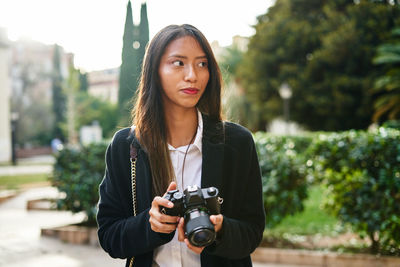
(160, 222)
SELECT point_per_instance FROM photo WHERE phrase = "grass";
(19, 181)
(306, 229)
(312, 220)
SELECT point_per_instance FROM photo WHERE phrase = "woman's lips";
(190, 91)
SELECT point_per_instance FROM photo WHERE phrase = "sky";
(93, 29)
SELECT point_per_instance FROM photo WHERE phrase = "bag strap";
(133, 158)
(133, 153)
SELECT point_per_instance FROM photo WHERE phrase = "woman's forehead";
(184, 45)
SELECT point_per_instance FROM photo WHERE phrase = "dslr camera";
(195, 205)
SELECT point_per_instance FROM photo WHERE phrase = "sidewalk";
(22, 245)
(33, 165)
(25, 170)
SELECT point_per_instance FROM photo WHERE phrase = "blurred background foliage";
(78, 173)
(387, 86)
(324, 50)
(284, 178)
(361, 171)
(91, 109)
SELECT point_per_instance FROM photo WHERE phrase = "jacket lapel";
(213, 152)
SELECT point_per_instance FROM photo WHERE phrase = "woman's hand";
(160, 222)
(215, 219)
(182, 238)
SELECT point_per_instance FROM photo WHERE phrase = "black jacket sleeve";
(120, 233)
(243, 229)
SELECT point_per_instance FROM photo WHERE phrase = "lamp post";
(286, 93)
(14, 119)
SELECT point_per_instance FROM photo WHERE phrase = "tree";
(143, 36)
(134, 43)
(324, 51)
(83, 81)
(59, 105)
(72, 86)
(127, 80)
(90, 108)
(387, 86)
(235, 103)
(277, 53)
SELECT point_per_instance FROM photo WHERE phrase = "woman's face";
(183, 73)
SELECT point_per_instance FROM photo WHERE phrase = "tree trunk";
(375, 242)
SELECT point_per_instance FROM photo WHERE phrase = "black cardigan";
(229, 163)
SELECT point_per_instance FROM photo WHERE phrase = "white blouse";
(175, 253)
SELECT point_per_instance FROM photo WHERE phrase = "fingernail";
(170, 204)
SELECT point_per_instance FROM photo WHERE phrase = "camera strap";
(133, 158)
(184, 158)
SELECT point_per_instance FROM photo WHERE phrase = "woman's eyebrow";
(185, 57)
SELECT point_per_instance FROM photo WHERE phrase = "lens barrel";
(199, 229)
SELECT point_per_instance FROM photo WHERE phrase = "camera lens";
(202, 237)
(199, 229)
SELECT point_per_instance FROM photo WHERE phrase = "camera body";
(195, 205)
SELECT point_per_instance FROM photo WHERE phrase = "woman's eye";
(177, 63)
(203, 64)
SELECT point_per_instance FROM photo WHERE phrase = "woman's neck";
(181, 126)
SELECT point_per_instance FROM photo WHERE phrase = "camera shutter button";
(178, 195)
(211, 191)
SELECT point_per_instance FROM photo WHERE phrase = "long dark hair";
(148, 112)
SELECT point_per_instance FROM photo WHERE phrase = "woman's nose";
(190, 74)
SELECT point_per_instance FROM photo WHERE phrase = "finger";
(217, 221)
(159, 227)
(172, 186)
(159, 201)
(195, 249)
(163, 218)
(181, 231)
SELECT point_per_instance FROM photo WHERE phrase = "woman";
(180, 141)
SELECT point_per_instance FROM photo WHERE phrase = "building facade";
(104, 84)
(31, 71)
(5, 126)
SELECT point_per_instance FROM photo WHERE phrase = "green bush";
(283, 174)
(395, 124)
(78, 174)
(362, 173)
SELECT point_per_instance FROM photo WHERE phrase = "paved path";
(22, 245)
(25, 170)
(33, 165)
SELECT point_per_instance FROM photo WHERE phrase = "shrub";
(392, 124)
(362, 173)
(283, 174)
(78, 174)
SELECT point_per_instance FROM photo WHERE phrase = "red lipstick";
(190, 90)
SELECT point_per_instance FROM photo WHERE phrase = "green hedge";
(362, 173)
(78, 174)
(284, 175)
(360, 169)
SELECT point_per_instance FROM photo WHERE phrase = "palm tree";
(388, 85)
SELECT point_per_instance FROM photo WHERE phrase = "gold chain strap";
(133, 174)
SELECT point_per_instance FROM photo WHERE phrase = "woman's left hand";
(182, 238)
(215, 219)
